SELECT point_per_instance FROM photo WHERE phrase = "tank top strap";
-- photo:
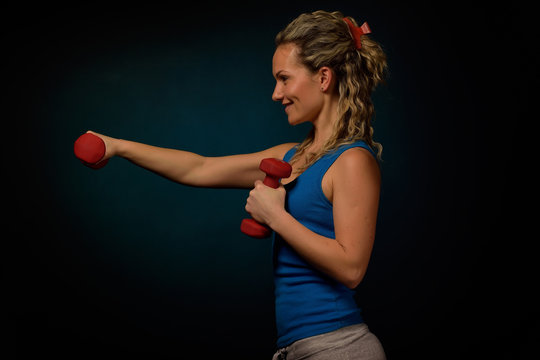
(321, 166)
(290, 153)
(327, 160)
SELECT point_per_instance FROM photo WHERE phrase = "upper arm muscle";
(235, 171)
(355, 180)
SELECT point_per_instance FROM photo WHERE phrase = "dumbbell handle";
(275, 170)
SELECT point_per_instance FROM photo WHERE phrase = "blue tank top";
(308, 302)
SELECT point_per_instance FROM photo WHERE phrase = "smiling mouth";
(287, 105)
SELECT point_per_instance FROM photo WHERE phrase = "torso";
(307, 302)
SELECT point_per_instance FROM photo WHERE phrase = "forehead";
(285, 58)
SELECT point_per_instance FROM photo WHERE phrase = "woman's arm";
(355, 184)
(235, 171)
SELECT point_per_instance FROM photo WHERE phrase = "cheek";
(304, 111)
(305, 93)
(310, 101)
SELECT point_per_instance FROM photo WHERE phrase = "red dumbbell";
(275, 170)
(90, 149)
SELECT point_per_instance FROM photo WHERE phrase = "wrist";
(279, 220)
(120, 148)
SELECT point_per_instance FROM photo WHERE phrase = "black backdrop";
(119, 263)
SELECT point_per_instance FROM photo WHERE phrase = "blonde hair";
(324, 39)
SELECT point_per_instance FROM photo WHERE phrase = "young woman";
(324, 215)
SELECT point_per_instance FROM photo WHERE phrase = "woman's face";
(297, 88)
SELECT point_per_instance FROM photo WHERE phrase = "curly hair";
(324, 39)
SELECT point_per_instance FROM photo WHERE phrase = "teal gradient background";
(120, 263)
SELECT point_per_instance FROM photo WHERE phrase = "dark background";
(120, 263)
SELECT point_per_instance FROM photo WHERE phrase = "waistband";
(327, 340)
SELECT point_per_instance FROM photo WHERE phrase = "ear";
(326, 78)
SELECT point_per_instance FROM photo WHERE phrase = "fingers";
(251, 208)
(251, 201)
(94, 133)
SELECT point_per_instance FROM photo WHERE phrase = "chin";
(293, 121)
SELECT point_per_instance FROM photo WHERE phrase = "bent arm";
(187, 168)
(355, 195)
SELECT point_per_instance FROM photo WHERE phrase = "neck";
(323, 125)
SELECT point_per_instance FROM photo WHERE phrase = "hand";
(265, 203)
(110, 145)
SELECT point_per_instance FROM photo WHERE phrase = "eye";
(283, 78)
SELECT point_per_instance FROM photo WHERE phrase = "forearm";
(325, 254)
(176, 165)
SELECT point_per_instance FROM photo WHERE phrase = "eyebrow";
(278, 73)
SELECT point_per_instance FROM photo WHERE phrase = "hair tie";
(357, 31)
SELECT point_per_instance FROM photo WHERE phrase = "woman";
(324, 215)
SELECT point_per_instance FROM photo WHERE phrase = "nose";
(277, 95)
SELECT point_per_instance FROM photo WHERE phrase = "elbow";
(353, 278)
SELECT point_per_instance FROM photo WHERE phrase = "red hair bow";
(357, 31)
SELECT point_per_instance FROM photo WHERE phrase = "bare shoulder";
(355, 169)
(354, 162)
(357, 157)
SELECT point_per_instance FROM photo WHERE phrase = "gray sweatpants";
(354, 342)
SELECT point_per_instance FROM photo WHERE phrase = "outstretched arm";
(184, 167)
